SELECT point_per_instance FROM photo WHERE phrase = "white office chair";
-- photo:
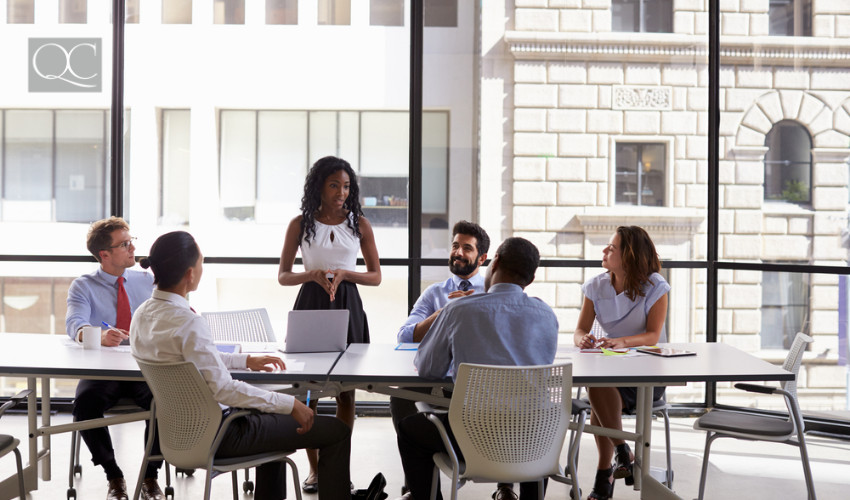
(187, 417)
(510, 423)
(247, 325)
(124, 407)
(728, 423)
(244, 325)
(10, 443)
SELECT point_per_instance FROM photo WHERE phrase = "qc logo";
(65, 65)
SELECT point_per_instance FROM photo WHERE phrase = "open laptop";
(324, 330)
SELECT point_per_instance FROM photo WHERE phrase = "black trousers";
(418, 440)
(267, 432)
(93, 399)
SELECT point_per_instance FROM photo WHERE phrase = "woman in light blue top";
(629, 302)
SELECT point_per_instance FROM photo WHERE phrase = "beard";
(460, 267)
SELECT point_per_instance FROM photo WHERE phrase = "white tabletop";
(713, 362)
(56, 356)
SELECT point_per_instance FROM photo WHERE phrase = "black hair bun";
(145, 263)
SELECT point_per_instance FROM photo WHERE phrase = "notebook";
(324, 330)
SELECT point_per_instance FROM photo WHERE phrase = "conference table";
(379, 368)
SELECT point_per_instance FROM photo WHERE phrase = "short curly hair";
(100, 234)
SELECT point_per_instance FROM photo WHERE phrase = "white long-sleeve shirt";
(165, 329)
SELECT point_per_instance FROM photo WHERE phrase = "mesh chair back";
(248, 325)
(510, 422)
(793, 361)
(187, 415)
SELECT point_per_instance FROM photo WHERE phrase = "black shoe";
(504, 493)
(603, 485)
(310, 487)
(117, 489)
(623, 463)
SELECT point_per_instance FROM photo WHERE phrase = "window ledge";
(785, 208)
(653, 219)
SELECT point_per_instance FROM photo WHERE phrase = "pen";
(107, 325)
(308, 398)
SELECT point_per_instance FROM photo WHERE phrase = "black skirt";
(629, 396)
(313, 296)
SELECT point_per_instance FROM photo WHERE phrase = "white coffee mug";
(91, 337)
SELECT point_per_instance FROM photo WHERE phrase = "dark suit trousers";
(418, 440)
(270, 432)
(93, 399)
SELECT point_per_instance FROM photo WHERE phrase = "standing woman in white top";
(329, 232)
(629, 302)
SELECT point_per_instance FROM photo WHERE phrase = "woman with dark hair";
(166, 329)
(629, 303)
(330, 231)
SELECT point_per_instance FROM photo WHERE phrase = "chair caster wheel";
(78, 470)
(572, 493)
(169, 492)
(72, 493)
(185, 472)
(248, 486)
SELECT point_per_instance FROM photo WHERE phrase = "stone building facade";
(585, 96)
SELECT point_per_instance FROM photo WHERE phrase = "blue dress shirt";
(618, 315)
(501, 327)
(433, 298)
(93, 298)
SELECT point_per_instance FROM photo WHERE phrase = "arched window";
(788, 163)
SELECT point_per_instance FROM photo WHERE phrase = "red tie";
(122, 319)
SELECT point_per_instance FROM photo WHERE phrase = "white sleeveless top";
(322, 252)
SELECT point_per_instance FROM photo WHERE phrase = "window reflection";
(640, 174)
(176, 11)
(642, 16)
(73, 11)
(229, 12)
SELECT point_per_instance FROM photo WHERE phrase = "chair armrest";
(14, 400)
(423, 407)
(223, 428)
(763, 389)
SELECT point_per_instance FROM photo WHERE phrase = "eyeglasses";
(125, 244)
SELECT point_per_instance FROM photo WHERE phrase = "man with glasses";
(109, 295)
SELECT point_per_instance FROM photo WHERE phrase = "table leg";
(650, 488)
(45, 422)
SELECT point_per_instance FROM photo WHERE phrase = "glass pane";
(73, 11)
(281, 11)
(386, 12)
(80, 166)
(781, 17)
(761, 312)
(334, 12)
(176, 11)
(20, 12)
(229, 12)
(238, 163)
(788, 163)
(658, 16)
(132, 12)
(176, 162)
(281, 164)
(625, 15)
(441, 13)
(28, 169)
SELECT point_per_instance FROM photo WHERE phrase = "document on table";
(407, 346)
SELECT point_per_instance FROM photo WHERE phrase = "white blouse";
(333, 247)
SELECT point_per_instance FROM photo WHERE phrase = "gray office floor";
(738, 469)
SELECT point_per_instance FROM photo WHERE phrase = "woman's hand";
(320, 277)
(339, 277)
(616, 343)
(588, 341)
(264, 363)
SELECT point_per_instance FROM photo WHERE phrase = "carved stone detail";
(649, 98)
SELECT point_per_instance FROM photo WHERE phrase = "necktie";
(464, 285)
(122, 319)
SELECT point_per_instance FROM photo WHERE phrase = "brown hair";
(639, 259)
(100, 234)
